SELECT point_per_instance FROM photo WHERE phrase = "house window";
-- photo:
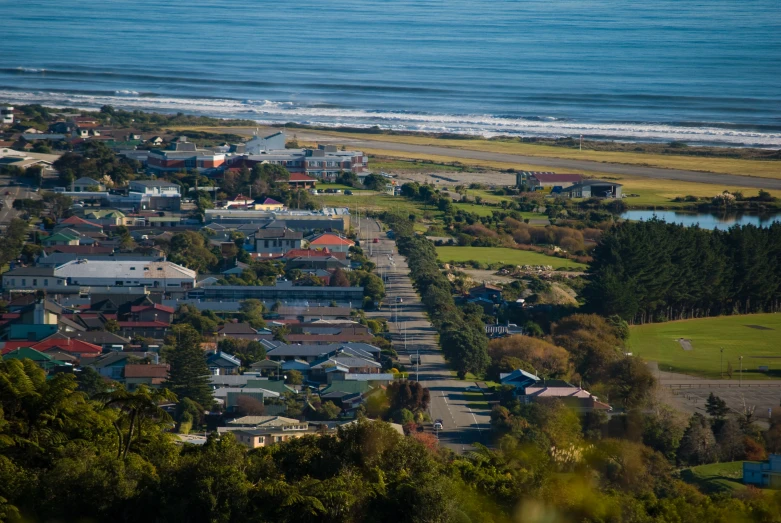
(45, 283)
(35, 282)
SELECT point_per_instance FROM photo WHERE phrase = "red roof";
(156, 306)
(132, 324)
(242, 198)
(314, 253)
(329, 238)
(75, 220)
(271, 201)
(71, 345)
(557, 178)
(298, 177)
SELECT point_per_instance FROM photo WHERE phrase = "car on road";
(348, 192)
(438, 425)
(474, 388)
(7, 193)
(399, 299)
(376, 240)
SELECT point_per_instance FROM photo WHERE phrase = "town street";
(15, 191)
(466, 418)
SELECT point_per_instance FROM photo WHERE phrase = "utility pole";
(721, 364)
(740, 379)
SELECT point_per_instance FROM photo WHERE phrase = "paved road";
(558, 163)
(466, 419)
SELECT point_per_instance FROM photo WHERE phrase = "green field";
(489, 255)
(717, 477)
(756, 337)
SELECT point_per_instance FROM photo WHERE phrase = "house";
(86, 184)
(72, 346)
(307, 313)
(238, 330)
(269, 204)
(229, 396)
(152, 312)
(151, 375)
(537, 181)
(486, 291)
(331, 241)
(593, 189)
(155, 188)
(236, 270)
(221, 363)
(144, 329)
(79, 225)
(763, 473)
(61, 238)
(106, 340)
(277, 240)
(574, 397)
(312, 353)
(313, 253)
(520, 379)
(255, 438)
(315, 264)
(239, 201)
(44, 361)
(112, 364)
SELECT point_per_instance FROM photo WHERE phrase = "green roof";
(347, 386)
(274, 386)
(27, 353)
(60, 236)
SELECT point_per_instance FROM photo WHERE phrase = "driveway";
(466, 417)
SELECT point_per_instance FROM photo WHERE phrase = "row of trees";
(655, 271)
(461, 337)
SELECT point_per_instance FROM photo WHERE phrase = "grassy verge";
(717, 477)
(489, 255)
(756, 337)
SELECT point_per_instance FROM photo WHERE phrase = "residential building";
(277, 240)
(574, 397)
(86, 184)
(268, 204)
(312, 353)
(307, 313)
(520, 379)
(61, 238)
(486, 291)
(763, 473)
(301, 181)
(144, 329)
(44, 361)
(221, 363)
(243, 331)
(151, 375)
(329, 218)
(112, 364)
(155, 188)
(283, 291)
(7, 115)
(593, 189)
(536, 181)
(331, 241)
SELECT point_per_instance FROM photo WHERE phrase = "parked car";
(348, 192)
(474, 389)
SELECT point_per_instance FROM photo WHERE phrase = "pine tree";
(716, 407)
(189, 374)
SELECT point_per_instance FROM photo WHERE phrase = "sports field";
(716, 477)
(756, 337)
(489, 255)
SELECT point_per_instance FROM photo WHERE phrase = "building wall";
(268, 245)
(50, 283)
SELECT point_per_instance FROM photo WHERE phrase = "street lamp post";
(721, 364)
(740, 379)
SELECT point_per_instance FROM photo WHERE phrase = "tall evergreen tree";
(189, 374)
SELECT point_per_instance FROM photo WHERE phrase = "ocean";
(706, 71)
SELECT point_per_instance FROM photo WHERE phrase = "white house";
(155, 188)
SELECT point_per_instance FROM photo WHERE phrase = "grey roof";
(237, 328)
(59, 258)
(346, 361)
(589, 183)
(155, 183)
(275, 232)
(31, 271)
(356, 349)
(102, 338)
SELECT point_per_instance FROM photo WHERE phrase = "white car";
(438, 425)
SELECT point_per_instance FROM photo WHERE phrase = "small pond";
(705, 220)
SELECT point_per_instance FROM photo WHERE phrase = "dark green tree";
(189, 375)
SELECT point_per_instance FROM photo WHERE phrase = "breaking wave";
(269, 111)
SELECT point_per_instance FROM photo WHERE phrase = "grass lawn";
(503, 255)
(768, 169)
(389, 164)
(477, 400)
(325, 185)
(756, 337)
(716, 477)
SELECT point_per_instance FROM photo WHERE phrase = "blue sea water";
(695, 70)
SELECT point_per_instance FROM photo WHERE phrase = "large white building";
(72, 276)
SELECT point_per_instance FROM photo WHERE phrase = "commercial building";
(71, 276)
(7, 115)
(326, 162)
(184, 157)
(329, 218)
